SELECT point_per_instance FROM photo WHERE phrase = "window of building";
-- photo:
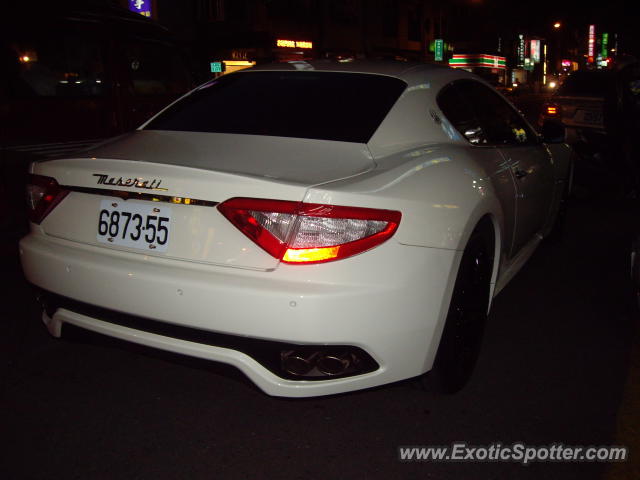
(64, 65)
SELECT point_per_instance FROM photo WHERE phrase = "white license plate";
(591, 117)
(146, 226)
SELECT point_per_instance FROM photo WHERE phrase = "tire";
(464, 326)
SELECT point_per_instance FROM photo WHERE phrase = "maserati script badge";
(154, 184)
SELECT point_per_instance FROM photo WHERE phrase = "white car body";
(390, 301)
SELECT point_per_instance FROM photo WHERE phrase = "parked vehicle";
(579, 106)
(579, 103)
(350, 232)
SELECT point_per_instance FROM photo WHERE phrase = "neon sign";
(293, 43)
(535, 50)
(592, 43)
(143, 7)
(439, 49)
(477, 60)
(521, 47)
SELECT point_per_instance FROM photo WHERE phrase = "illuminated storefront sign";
(535, 50)
(439, 49)
(478, 60)
(521, 48)
(605, 45)
(143, 7)
(592, 44)
(544, 64)
(293, 43)
(217, 67)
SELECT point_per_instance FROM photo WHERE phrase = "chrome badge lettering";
(154, 184)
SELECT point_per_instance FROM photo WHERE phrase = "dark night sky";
(536, 18)
(531, 17)
(614, 15)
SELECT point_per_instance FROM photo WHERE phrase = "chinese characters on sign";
(439, 48)
(605, 45)
(521, 48)
(293, 43)
(143, 7)
(592, 43)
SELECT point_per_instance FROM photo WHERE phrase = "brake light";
(552, 110)
(43, 194)
(304, 233)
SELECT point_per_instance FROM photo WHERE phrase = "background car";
(322, 226)
(578, 104)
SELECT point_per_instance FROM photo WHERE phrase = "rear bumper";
(389, 302)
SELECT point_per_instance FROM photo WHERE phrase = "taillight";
(43, 194)
(308, 232)
(552, 110)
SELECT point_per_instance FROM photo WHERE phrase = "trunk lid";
(180, 177)
(298, 161)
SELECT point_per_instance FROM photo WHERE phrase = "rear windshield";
(346, 107)
(586, 84)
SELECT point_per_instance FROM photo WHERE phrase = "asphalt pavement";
(554, 368)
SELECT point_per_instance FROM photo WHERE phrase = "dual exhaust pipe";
(318, 363)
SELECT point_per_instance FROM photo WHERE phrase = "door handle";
(520, 173)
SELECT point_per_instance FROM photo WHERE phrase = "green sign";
(605, 45)
(217, 67)
(439, 49)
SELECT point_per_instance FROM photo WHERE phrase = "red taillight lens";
(552, 110)
(43, 194)
(309, 232)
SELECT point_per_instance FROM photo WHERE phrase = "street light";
(557, 25)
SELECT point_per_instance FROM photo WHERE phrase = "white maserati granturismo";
(322, 226)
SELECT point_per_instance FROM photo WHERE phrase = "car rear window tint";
(346, 107)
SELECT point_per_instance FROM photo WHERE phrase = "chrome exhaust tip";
(334, 364)
(318, 362)
(297, 363)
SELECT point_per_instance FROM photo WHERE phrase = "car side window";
(461, 115)
(502, 124)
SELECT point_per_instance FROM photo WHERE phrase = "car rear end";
(204, 243)
(579, 105)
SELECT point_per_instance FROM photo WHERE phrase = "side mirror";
(553, 132)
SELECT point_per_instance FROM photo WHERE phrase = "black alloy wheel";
(464, 327)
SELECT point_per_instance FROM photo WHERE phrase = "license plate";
(588, 116)
(134, 224)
